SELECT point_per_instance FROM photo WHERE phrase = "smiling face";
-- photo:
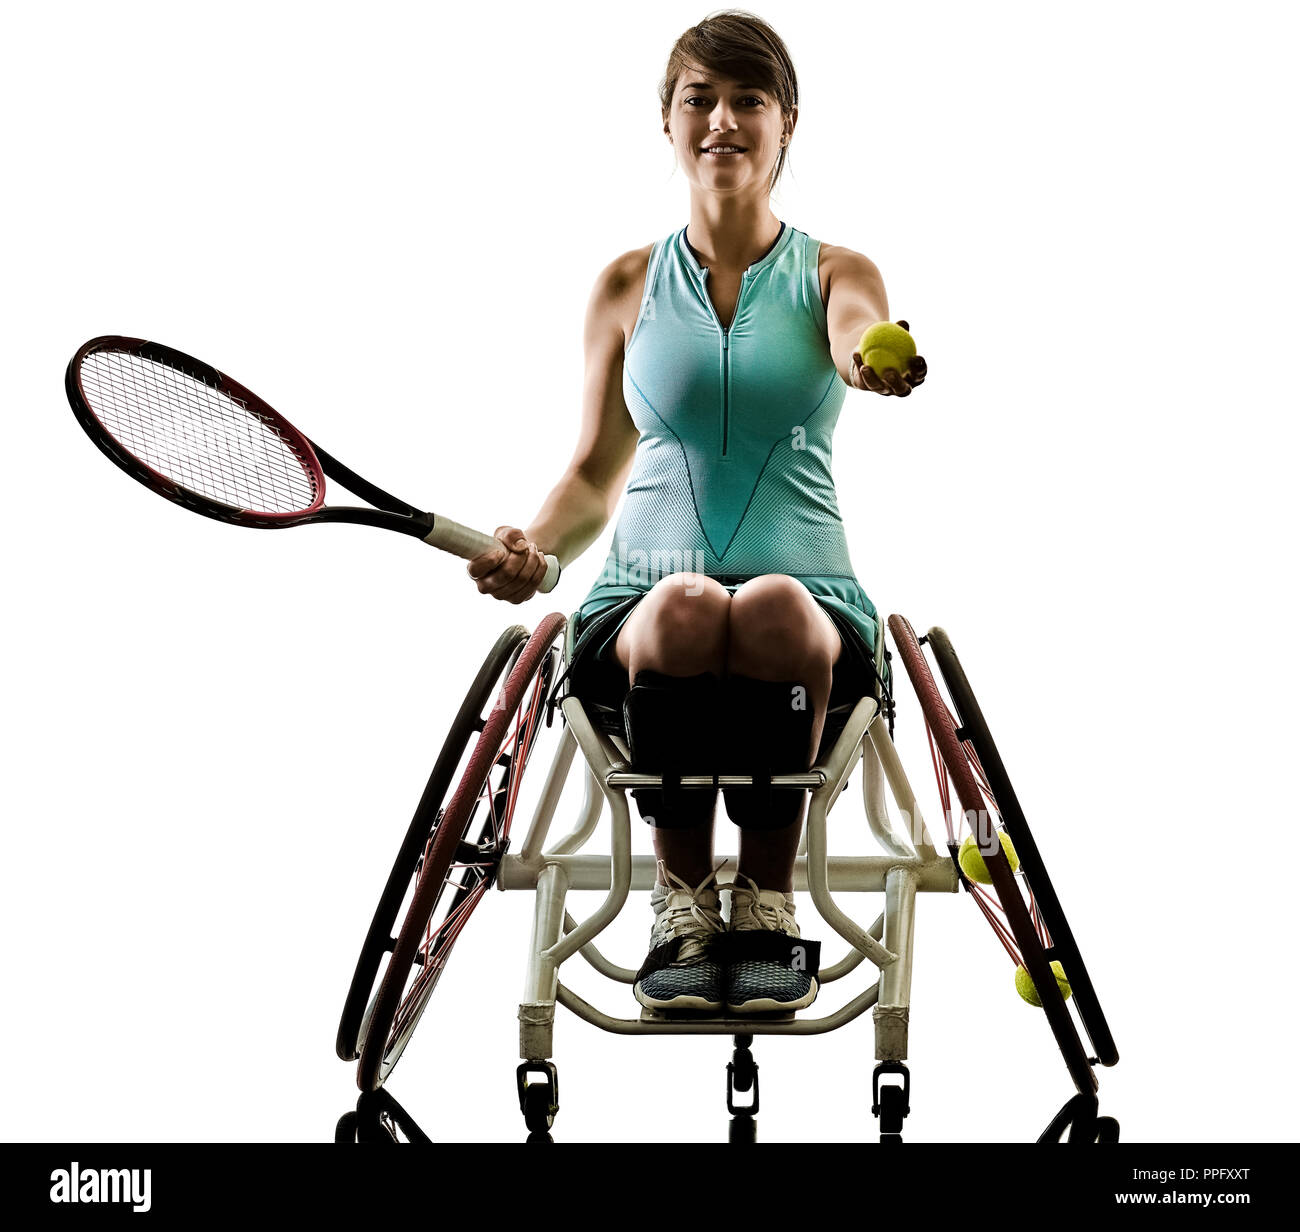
(727, 133)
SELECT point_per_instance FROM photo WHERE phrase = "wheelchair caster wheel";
(539, 1101)
(891, 1103)
(742, 1129)
(539, 1107)
(892, 1111)
(742, 1076)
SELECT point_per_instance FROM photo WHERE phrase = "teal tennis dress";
(732, 473)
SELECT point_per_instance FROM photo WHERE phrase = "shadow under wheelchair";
(458, 845)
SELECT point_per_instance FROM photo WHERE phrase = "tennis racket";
(200, 439)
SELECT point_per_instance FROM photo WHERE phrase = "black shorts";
(602, 683)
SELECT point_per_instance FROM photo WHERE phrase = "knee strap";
(672, 724)
(769, 731)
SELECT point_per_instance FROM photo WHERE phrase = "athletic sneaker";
(770, 967)
(681, 971)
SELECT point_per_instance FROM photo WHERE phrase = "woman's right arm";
(582, 502)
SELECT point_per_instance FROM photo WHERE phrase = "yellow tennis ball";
(886, 345)
(1025, 984)
(972, 862)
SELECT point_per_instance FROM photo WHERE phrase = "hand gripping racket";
(196, 437)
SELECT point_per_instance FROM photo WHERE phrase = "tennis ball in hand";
(972, 862)
(1025, 985)
(886, 345)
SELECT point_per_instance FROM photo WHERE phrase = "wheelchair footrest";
(736, 1021)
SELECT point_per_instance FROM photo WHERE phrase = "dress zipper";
(726, 352)
(726, 389)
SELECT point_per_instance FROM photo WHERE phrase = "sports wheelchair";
(459, 845)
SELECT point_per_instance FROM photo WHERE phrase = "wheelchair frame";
(910, 864)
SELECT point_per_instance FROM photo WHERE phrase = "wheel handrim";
(456, 874)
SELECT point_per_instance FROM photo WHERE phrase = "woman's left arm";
(855, 300)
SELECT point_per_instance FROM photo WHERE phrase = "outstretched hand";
(511, 572)
(891, 381)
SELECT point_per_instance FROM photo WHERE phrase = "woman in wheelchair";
(728, 619)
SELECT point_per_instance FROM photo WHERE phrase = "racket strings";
(196, 436)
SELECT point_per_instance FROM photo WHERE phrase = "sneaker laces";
(684, 916)
(764, 908)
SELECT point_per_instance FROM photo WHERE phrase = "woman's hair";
(739, 45)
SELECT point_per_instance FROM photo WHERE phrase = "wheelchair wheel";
(380, 940)
(963, 767)
(461, 856)
(975, 731)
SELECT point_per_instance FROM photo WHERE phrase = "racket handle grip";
(465, 542)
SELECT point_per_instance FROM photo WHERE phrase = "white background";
(387, 220)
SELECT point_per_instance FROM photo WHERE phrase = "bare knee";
(679, 628)
(777, 631)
